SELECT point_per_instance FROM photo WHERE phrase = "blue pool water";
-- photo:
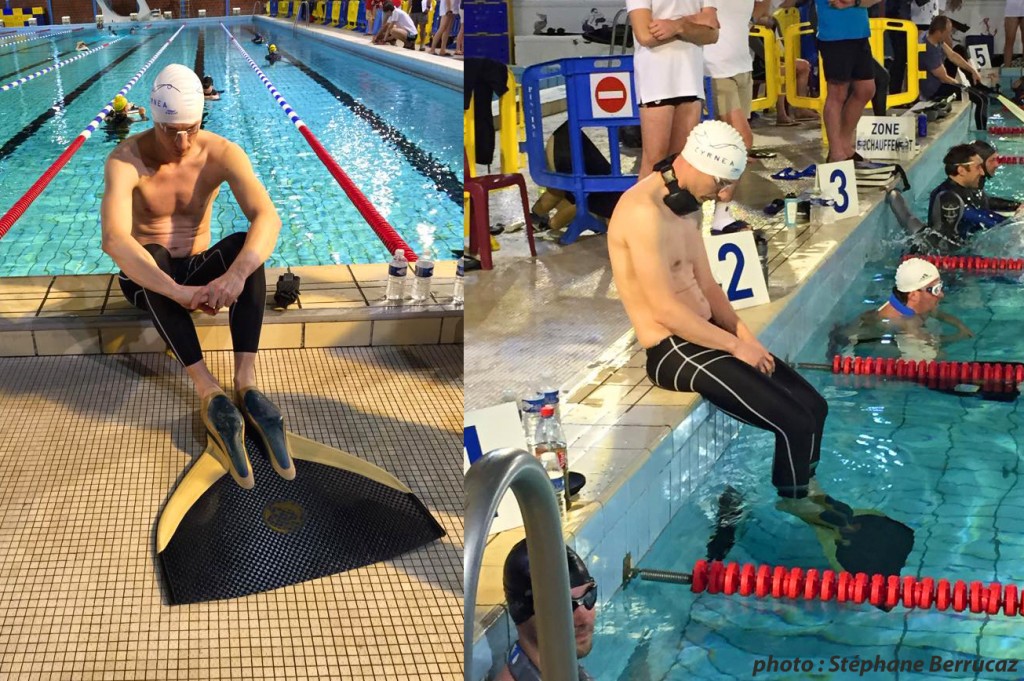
(949, 467)
(398, 139)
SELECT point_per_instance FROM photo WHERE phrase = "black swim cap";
(984, 149)
(519, 587)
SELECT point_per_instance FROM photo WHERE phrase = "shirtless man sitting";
(160, 188)
(695, 342)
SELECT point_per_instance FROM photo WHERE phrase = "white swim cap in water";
(177, 96)
(715, 148)
(914, 273)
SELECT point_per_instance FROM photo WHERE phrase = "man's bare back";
(172, 202)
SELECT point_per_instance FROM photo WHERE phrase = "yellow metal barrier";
(786, 18)
(879, 27)
(791, 40)
(353, 15)
(335, 19)
(772, 86)
(508, 136)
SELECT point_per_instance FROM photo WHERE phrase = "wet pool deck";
(557, 320)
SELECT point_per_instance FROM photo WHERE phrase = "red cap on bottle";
(547, 410)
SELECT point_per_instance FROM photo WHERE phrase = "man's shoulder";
(127, 151)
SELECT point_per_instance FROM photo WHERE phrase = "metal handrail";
(255, 6)
(486, 483)
(298, 13)
(625, 34)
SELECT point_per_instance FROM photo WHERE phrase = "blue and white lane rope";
(29, 39)
(21, 81)
(96, 122)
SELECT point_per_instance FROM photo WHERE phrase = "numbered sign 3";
(838, 181)
(736, 268)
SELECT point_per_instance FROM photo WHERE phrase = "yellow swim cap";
(273, 48)
(120, 103)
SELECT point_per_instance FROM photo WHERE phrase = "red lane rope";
(970, 262)
(1011, 160)
(1006, 130)
(997, 376)
(766, 581)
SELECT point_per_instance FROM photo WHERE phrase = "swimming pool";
(387, 129)
(949, 467)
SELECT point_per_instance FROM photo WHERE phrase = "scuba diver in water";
(959, 207)
(273, 56)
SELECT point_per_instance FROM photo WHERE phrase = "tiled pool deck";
(644, 449)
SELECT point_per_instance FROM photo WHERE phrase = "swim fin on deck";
(216, 540)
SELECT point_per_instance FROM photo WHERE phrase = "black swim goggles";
(588, 600)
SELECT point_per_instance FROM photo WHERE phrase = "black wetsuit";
(174, 323)
(783, 403)
(955, 212)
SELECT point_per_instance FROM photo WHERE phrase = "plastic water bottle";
(424, 274)
(531, 416)
(549, 439)
(550, 462)
(397, 270)
(458, 289)
(551, 397)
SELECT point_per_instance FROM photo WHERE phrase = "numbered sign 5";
(980, 56)
(838, 181)
(736, 268)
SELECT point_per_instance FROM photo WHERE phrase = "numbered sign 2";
(838, 181)
(980, 56)
(734, 263)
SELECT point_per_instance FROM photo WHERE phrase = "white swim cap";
(914, 273)
(177, 96)
(715, 148)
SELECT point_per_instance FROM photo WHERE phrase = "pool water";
(390, 132)
(948, 466)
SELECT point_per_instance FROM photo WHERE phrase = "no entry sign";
(610, 95)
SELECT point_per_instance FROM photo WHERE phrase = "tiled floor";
(90, 448)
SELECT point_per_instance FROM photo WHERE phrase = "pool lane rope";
(21, 205)
(884, 591)
(1005, 130)
(994, 376)
(38, 36)
(970, 262)
(385, 232)
(21, 81)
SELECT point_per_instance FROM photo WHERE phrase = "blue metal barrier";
(600, 93)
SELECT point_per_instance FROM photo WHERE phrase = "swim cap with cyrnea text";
(177, 96)
(715, 148)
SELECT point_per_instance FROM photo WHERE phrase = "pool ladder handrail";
(256, 6)
(486, 483)
(298, 13)
(625, 33)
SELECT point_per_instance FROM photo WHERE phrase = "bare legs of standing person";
(664, 129)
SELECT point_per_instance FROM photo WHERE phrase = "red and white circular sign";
(610, 94)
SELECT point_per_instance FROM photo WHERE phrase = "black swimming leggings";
(174, 322)
(783, 403)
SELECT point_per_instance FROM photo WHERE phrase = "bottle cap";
(400, 253)
(547, 410)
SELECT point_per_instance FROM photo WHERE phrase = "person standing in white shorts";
(1013, 22)
(668, 68)
(729, 63)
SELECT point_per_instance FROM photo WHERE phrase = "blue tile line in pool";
(633, 519)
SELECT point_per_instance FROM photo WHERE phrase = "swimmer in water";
(81, 46)
(273, 56)
(258, 39)
(125, 112)
(208, 90)
(903, 318)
